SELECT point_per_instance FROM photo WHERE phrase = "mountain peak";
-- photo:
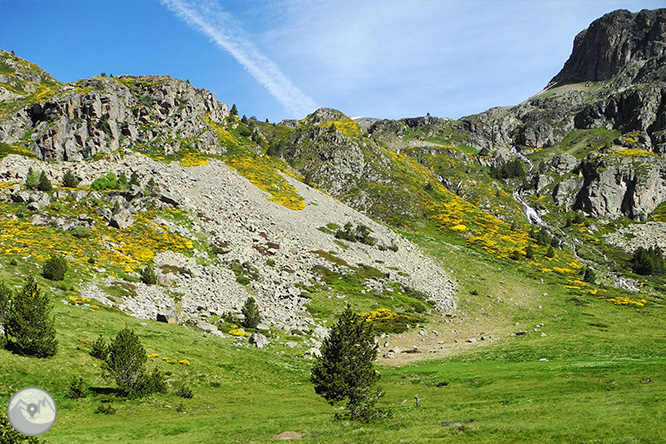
(613, 43)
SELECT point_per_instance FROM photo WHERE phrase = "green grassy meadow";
(598, 376)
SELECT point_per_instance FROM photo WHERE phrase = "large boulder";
(258, 340)
(167, 316)
(122, 220)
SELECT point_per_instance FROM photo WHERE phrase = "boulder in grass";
(168, 317)
(258, 340)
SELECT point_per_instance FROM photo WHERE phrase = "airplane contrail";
(207, 17)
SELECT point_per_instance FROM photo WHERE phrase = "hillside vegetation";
(511, 263)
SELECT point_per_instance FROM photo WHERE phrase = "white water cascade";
(531, 214)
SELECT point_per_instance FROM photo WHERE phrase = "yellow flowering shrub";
(238, 332)
(627, 301)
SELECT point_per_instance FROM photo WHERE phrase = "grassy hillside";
(600, 362)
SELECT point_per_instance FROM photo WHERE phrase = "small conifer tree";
(100, 349)
(125, 363)
(148, 276)
(550, 252)
(32, 179)
(134, 179)
(29, 324)
(69, 180)
(44, 183)
(589, 276)
(345, 370)
(55, 268)
(251, 313)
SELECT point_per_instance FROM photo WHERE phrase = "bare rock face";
(78, 120)
(622, 184)
(613, 43)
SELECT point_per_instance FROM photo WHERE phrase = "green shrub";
(251, 316)
(80, 232)
(122, 181)
(69, 180)
(184, 391)
(148, 275)
(107, 182)
(55, 268)
(44, 183)
(77, 389)
(105, 409)
(13, 262)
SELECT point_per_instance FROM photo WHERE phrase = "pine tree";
(134, 179)
(125, 363)
(32, 179)
(148, 275)
(251, 313)
(234, 110)
(589, 276)
(345, 370)
(69, 180)
(28, 322)
(44, 183)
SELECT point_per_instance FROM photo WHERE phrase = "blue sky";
(280, 59)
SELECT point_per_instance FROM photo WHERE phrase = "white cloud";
(221, 27)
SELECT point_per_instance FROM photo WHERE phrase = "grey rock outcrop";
(122, 220)
(167, 316)
(615, 185)
(258, 340)
(613, 43)
(77, 120)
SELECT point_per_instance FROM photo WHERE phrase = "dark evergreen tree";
(29, 324)
(550, 252)
(251, 316)
(345, 370)
(69, 180)
(125, 363)
(589, 276)
(529, 252)
(100, 349)
(44, 183)
(55, 268)
(134, 179)
(234, 110)
(148, 275)
(648, 261)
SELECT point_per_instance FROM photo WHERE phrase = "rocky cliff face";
(615, 79)
(76, 121)
(613, 43)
